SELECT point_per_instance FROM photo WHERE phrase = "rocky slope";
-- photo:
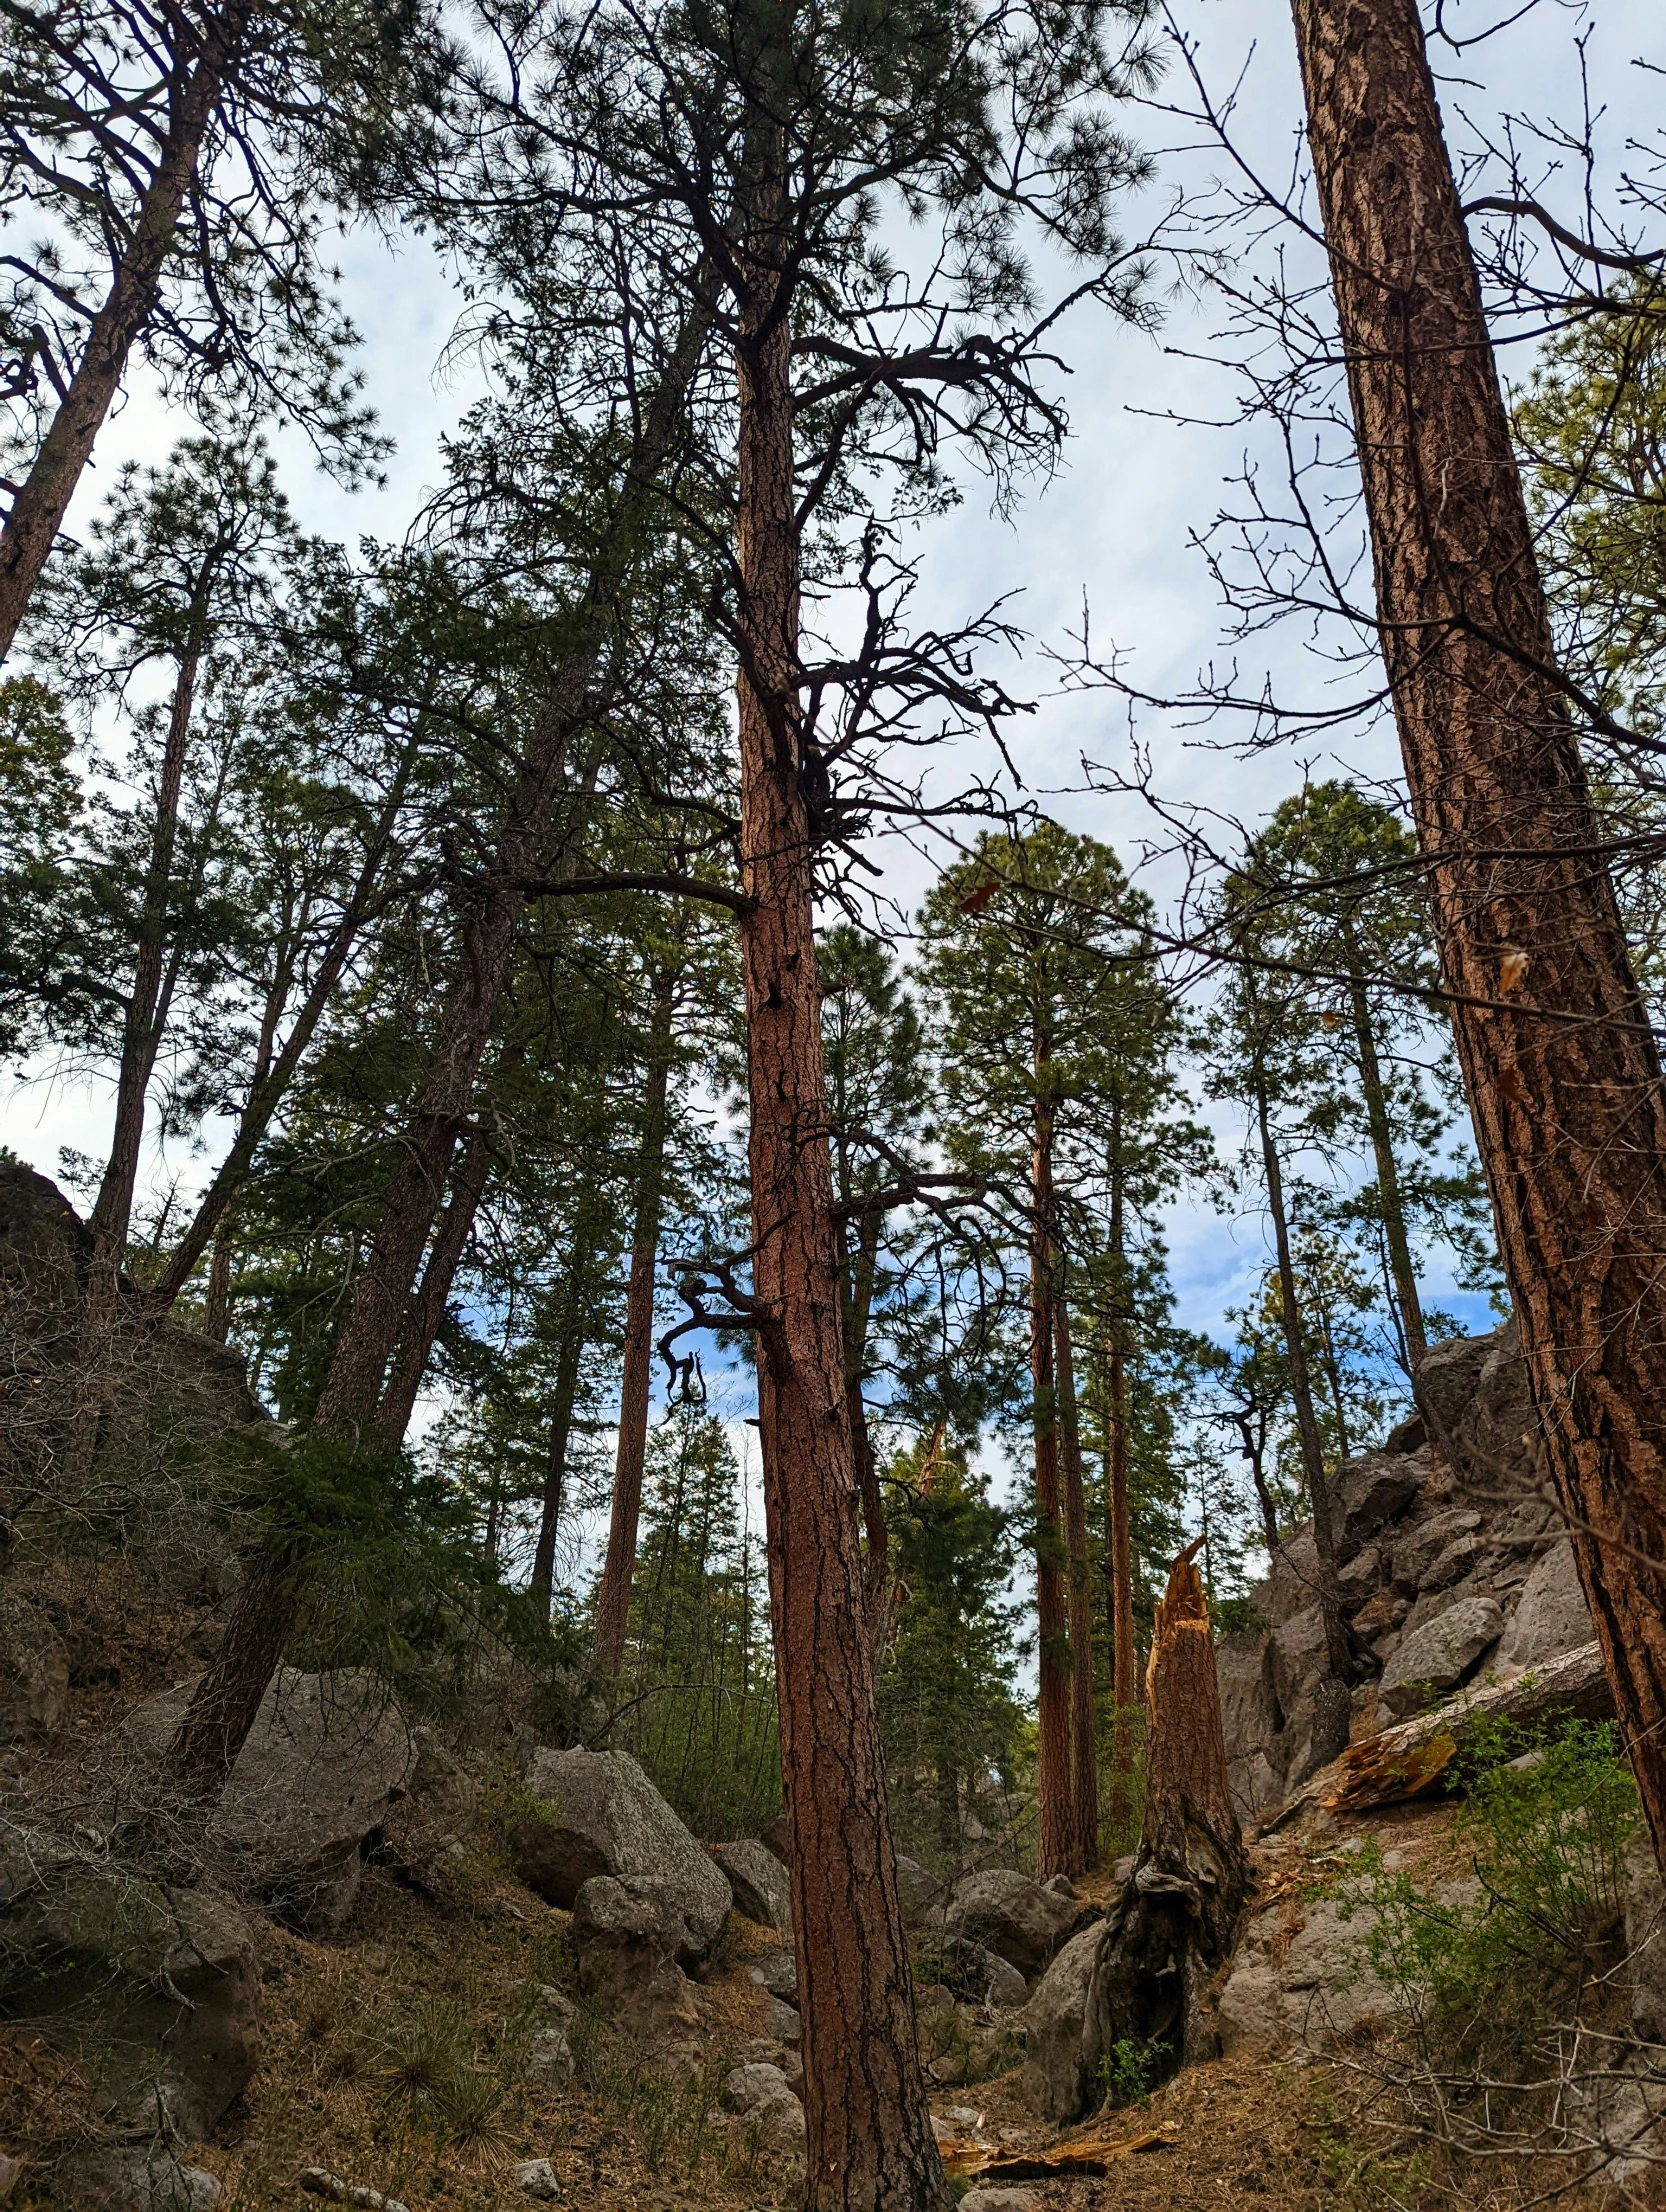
(1454, 1567)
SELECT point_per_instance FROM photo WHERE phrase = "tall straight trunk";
(1402, 1273)
(614, 1595)
(1084, 1733)
(856, 1288)
(869, 2145)
(1125, 1684)
(38, 509)
(426, 1309)
(1562, 1072)
(1056, 1822)
(1331, 1699)
(226, 1700)
(569, 1361)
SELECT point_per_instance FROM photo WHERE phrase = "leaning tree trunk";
(202, 1753)
(1173, 1922)
(869, 2145)
(1563, 1076)
(1084, 1732)
(43, 498)
(1056, 1839)
(613, 1597)
(1332, 1704)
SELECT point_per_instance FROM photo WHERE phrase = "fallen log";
(1407, 1760)
(1083, 2154)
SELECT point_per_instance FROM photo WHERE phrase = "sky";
(1156, 444)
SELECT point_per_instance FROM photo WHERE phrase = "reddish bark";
(1563, 1077)
(1084, 1733)
(38, 509)
(613, 1596)
(1056, 1844)
(869, 2146)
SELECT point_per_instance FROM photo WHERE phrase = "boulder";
(746, 2087)
(978, 1976)
(781, 2020)
(1551, 1615)
(1000, 2200)
(1012, 1916)
(919, 1888)
(157, 1987)
(759, 1883)
(536, 2177)
(134, 2178)
(776, 1971)
(626, 1935)
(1422, 1543)
(1292, 1580)
(595, 1814)
(1645, 1903)
(34, 1673)
(1298, 1987)
(1371, 1490)
(1054, 2023)
(327, 1757)
(1437, 1656)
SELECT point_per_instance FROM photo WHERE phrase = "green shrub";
(1545, 1820)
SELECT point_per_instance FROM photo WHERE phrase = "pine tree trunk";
(1172, 1925)
(541, 1587)
(1401, 1271)
(353, 1388)
(869, 2146)
(614, 1595)
(856, 1288)
(216, 1310)
(38, 510)
(1561, 1068)
(1125, 1691)
(1084, 1733)
(1055, 1816)
(426, 1309)
(1332, 1705)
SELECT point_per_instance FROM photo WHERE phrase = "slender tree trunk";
(216, 1311)
(1125, 1688)
(202, 1753)
(1401, 1270)
(1084, 1733)
(541, 1587)
(38, 510)
(869, 2146)
(272, 1076)
(1559, 1061)
(1332, 1704)
(426, 1309)
(856, 1288)
(614, 1596)
(1056, 1839)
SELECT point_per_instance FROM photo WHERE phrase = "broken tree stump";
(1172, 1926)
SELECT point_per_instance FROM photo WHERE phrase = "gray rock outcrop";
(327, 1757)
(1005, 1912)
(596, 1814)
(157, 1987)
(1054, 2023)
(1453, 1565)
(759, 1883)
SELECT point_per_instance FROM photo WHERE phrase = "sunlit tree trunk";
(1560, 1064)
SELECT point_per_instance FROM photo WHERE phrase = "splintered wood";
(1084, 2154)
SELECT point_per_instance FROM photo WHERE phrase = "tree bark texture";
(1084, 1733)
(869, 2146)
(1172, 1925)
(1562, 1072)
(38, 510)
(1056, 1825)
(614, 1594)
(1119, 1549)
(1332, 1704)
